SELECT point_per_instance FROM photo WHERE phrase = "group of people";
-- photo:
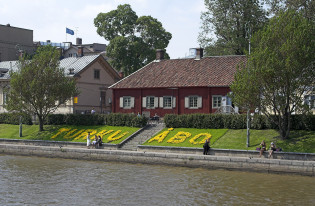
(271, 149)
(97, 142)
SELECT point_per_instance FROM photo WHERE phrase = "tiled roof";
(208, 71)
(75, 63)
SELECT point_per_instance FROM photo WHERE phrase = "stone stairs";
(148, 132)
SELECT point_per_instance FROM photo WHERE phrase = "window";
(103, 99)
(96, 74)
(127, 102)
(216, 101)
(310, 101)
(150, 102)
(167, 102)
(193, 102)
(5, 98)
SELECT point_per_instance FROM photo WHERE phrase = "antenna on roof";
(76, 31)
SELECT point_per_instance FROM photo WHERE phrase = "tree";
(132, 40)
(39, 86)
(230, 21)
(279, 71)
(305, 7)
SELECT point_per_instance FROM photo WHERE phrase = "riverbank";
(233, 162)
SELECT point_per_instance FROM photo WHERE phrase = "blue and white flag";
(69, 31)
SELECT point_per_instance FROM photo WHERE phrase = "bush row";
(75, 119)
(14, 118)
(203, 121)
(233, 121)
(117, 119)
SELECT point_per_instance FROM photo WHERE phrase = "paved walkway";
(143, 136)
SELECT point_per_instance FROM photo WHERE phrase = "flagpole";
(66, 34)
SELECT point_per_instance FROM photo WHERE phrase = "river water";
(47, 181)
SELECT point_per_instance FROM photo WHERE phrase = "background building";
(14, 41)
(93, 76)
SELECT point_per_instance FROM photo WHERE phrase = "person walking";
(88, 141)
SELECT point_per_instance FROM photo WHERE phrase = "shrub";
(129, 120)
(170, 120)
(75, 119)
(259, 122)
(56, 119)
(14, 118)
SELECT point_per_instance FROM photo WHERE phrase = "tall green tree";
(230, 22)
(39, 86)
(280, 70)
(132, 40)
(305, 7)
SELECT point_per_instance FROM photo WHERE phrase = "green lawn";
(299, 141)
(65, 132)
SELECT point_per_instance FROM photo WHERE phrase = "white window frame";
(150, 105)
(127, 102)
(193, 102)
(169, 100)
(196, 105)
(5, 98)
(150, 102)
(216, 103)
(310, 101)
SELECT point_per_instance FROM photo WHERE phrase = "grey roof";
(75, 63)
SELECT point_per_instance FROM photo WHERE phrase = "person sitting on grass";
(272, 149)
(263, 147)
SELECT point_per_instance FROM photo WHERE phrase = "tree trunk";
(41, 123)
(284, 126)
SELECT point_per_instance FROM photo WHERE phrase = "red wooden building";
(177, 86)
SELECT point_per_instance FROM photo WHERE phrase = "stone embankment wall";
(245, 163)
(230, 152)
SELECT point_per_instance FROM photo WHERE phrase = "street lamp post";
(20, 129)
(248, 35)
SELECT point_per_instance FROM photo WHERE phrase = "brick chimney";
(80, 51)
(160, 54)
(199, 53)
(121, 75)
(78, 41)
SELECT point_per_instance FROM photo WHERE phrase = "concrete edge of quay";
(252, 164)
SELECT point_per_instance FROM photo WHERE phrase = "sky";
(49, 18)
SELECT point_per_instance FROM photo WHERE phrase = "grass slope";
(31, 132)
(299, 141)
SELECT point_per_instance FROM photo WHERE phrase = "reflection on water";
(44, 181)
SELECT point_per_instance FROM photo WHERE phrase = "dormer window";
(71, 71)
